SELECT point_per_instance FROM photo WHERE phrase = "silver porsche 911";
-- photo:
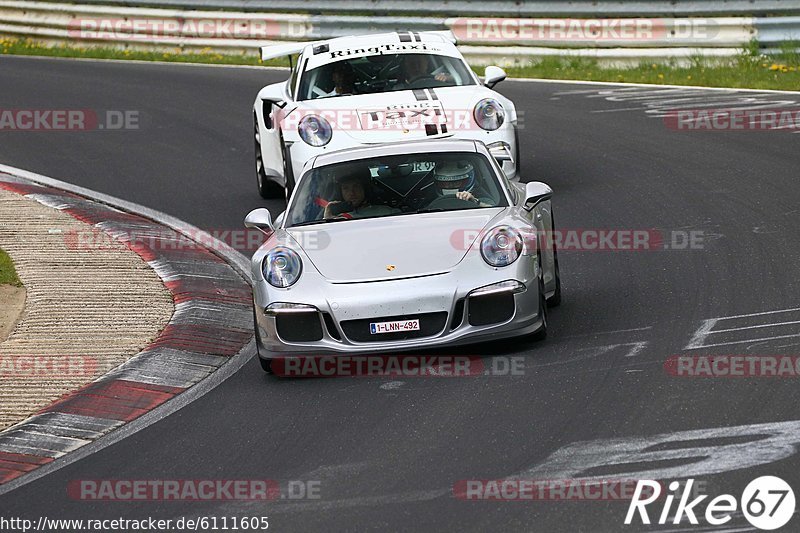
(403, 246)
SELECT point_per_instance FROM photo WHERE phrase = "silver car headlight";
(281, 267)
(315, 130)
(489, 114)
(501, 246)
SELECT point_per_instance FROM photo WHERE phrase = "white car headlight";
(501, 246)
(281, 267)
(315, 130)
(489, 114)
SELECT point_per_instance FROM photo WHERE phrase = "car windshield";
(384, 73)
(394, 186)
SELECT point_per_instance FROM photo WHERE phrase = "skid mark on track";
(623, 351)
(691, 453)
(612, 332)
(665, 102)
(751, 329)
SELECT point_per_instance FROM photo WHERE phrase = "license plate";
(394, 326)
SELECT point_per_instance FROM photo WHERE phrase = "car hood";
(399, 115)
(393, 247)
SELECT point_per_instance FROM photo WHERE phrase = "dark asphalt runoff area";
(387, 455)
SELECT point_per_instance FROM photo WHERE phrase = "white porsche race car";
(355, 91)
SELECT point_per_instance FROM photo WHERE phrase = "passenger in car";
(355, 202)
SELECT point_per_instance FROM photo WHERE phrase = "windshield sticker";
(384, 48)
(379, 50)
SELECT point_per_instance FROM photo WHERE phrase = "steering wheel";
(410, 195)
(450, 202)
(421, 82)
(317, 92)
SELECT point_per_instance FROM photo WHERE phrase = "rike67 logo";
(767, 503)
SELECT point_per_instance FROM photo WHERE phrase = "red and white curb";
(212, 325)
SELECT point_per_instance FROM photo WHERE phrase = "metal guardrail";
(774, 31)
(484, 40)
(489, 8)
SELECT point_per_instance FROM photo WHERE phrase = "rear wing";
(281, 50)
(446, 35)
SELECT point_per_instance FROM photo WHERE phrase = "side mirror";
(279, 219)
(536, 192)
(259, 219)
(493, 75)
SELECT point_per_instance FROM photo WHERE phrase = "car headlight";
(501, 246)
(315, 130)
(281, 267)
(489, 114)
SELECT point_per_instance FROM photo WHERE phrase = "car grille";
(491, 309)
(299, 327)
(429, 324)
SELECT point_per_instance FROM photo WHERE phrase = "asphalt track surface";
(387, 457)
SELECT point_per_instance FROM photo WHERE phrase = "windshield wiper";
(432, 210)
(313, 222)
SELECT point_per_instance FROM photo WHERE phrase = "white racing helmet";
(454, 176)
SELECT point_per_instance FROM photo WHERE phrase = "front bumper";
(449, 315)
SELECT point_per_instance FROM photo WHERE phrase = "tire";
(541, 333)
(267, 188)
(518, 161)
(266, 365)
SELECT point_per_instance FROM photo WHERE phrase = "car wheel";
(518, 161)
(267, 188)
(266, 365)
(541, 333)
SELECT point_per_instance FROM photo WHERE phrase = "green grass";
(750, 69)
(8, 275)
(27, 47)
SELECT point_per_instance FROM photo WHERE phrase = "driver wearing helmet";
(457, 178)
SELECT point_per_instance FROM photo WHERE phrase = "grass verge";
(8, 275)
(750, 69)
(27, 47)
